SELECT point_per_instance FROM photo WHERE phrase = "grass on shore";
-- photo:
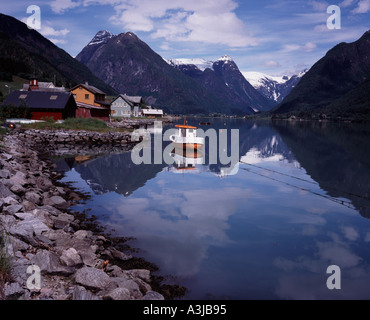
(71, 124)
(5, 264)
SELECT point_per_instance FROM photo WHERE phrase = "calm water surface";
(298, 204)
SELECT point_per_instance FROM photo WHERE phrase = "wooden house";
(43, 104)
(124, 106)
(90, 102)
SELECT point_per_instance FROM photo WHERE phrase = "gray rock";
(13, 209)
(33, 197)
(92, 278)
(7, 221)
(140, 273)
(27, 229)
(56, 201)
(80, 293)
(119, 255)
(4, 191)
(9, 200)
(28, 205)
(131, 285)
(4, 173)
(118, 294)
(17, 189)
(63, 220)
(19, 178)
(49, 263)
(71, 258)
(43, 183)
(23, 215)
(82, 234)
(13, 290)
(152, 295)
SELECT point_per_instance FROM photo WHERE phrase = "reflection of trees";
(336, 156)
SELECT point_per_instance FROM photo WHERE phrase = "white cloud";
(60, 6)
(350, 233)
(362, 7)
(319, 5)
(309, 46)
(272, 64)
(49, 31)
(57, 41)
(204, 21)
(346, 3)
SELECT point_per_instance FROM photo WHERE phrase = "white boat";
(186, 138)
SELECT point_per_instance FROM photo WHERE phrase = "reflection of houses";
(152, 113)
(90, 102)
(125, 106)
(58, 105)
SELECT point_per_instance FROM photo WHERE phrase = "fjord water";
(298, 204)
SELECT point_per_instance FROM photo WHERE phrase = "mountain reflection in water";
(299, 203)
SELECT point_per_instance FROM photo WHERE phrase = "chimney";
(34, 85)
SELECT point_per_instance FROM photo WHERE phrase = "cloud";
(346, 3)
(49, 31)
(177, 20)
(350, 233)
(309, 46)
(272, 64)
(60, 6)
(362, 7)
(319, 5)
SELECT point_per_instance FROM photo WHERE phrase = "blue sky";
(275, 37)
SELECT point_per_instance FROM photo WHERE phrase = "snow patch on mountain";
(101, 37)
(273, 87)
(201, 64)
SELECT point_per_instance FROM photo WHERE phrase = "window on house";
(87, 96)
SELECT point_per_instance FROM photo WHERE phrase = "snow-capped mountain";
(223, 78)
(272, 87)
(201, 64)
(102, 36)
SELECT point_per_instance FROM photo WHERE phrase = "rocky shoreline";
(39, 230)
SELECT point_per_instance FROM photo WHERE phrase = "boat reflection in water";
(186, 159)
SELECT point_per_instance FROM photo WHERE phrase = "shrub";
(11, 111)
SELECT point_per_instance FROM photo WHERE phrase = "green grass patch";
(71, 124)
(5, 263)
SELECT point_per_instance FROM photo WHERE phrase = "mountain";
(25, 52)
(275, 88)
(224, 79)
(341, 70)
(130, 66)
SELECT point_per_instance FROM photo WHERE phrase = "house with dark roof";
(124, 106)
(58, 105)
(90, 102)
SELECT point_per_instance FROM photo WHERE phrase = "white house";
(152, 113)
(125, 106)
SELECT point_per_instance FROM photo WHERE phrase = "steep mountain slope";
(275, 88)
(224, 79)
(342, 69)
(131, 66)
(25, 52)
(179, 86)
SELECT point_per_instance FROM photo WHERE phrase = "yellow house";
(90, 102)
